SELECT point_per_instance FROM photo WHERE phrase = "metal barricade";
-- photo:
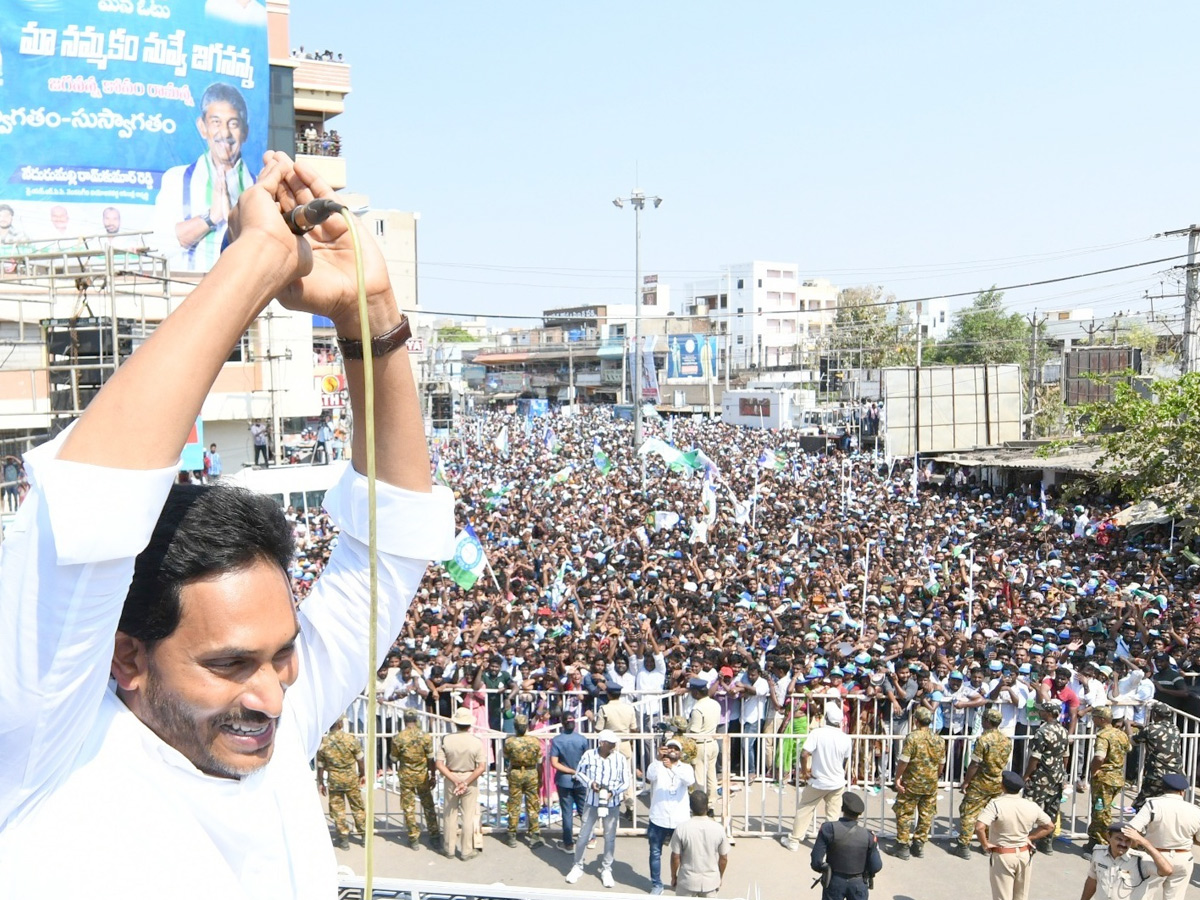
(758, 773)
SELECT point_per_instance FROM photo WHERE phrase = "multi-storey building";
(101, 302)
(771, 315)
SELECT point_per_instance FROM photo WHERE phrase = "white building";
(935, 319)
(771, 315)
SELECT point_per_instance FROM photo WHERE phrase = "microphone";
(308, 216)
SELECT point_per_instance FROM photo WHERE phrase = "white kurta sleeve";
(413, 528)
(65, 568)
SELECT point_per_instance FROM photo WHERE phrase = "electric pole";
(1189, 356)
(1034, 323)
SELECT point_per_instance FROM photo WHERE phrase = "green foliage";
(869, 319)
(454, 334)
(1150, 444)
(983, 333)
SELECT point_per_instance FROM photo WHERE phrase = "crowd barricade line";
(760, 791)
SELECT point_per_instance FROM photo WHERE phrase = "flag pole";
(496, 581)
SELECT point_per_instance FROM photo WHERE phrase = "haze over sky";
(928, 147)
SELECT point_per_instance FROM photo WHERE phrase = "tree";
(984, 333)
(861, 325)
(1150, 443)
(868, 329)
(454, 334)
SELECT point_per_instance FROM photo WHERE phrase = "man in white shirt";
(669, 780)
(191, 769)
(194, 202)
(823, 762)
(606, 775)
(755, 693)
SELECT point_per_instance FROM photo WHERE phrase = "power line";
(884, 303)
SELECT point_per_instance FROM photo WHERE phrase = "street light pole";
(637, 199)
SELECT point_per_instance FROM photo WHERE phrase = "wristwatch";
(212, 226)
(381, 345)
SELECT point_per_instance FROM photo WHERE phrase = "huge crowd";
(727, 564)
(753, 560)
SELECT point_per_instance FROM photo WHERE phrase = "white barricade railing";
(758, 773)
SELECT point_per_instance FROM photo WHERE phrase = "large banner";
(129, 115)
(692, 356)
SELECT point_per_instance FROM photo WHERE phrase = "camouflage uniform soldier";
(523, 753)
(412, 752)
(921, 761)
(341, 772)
(1107, 771)
(1045, 768)
(983, 779)
(1164, 751)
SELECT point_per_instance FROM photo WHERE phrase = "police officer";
(982, 781)
(1163, 751)
(921, 761)
(461, 759)
(1007, 829)
(341, 773)
(702, 725)
(1045, 766)
(412, 752)
(618, 715)
(1107, 774)
(1172, 826)
(523, 754)
(846, 854)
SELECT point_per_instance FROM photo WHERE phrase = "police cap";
(1173, 781)
(852, 804)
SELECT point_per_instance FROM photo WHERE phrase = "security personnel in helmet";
(846, 854)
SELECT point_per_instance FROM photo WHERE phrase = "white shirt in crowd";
(669, 793)
(150, 821)
(830, 749)
(754, 702)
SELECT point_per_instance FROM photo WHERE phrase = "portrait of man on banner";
(195, 200)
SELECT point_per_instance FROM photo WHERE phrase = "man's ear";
(130, 662)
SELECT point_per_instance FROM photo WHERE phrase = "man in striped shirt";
(606, 775)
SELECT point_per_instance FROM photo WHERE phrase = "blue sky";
(928, 147)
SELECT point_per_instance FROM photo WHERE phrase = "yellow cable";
(368, 416)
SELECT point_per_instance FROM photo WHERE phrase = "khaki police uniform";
(1009, 820)
(702, 725)
(1172, 826)
(1121, 877)
(461, 752)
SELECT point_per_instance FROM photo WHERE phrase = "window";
(740, 339)
(771, 273)
(789, 326)
(760, 282)
(724, 301)
(739, 309)
(379, 228)
(789, 296)
(741, 283)
(772, 326)
(281, 111)
(830, 304)
(773, 295)
(788, 273)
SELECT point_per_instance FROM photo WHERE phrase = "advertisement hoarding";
(938, 409)
(691, 356)
(121, 116)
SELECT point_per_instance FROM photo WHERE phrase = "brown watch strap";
(381, 345)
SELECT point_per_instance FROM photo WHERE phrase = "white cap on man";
(833, 714)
